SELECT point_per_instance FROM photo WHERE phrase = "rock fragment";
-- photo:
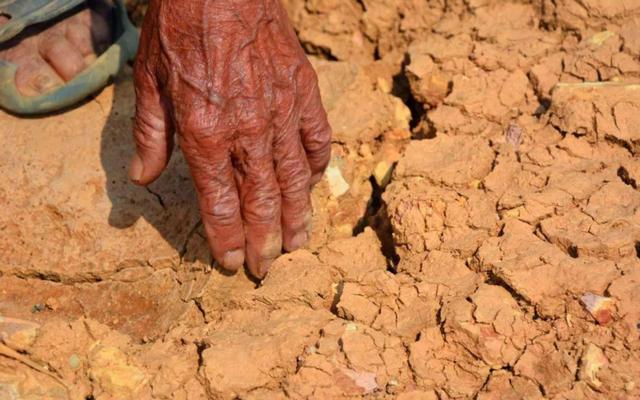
(592, 360)
(113, 373)
(602, 309)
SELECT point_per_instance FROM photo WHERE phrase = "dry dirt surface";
(477, 235)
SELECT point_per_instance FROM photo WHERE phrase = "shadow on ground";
(169, 204)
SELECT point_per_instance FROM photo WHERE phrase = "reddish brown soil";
(477, 235)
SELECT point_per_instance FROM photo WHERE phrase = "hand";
(231, 78)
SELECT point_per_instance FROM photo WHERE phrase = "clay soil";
(477, 234)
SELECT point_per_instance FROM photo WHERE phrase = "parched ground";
(477, 235)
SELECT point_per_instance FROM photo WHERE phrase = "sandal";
(24, 13)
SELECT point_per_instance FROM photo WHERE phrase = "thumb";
(152, 131)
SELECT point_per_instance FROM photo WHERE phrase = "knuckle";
(319, 143)
(262, 206)
(220, 208)
(308, 76)
(294, 179)
(221, 214)
(148, 127)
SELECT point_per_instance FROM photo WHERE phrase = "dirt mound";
(476, 236)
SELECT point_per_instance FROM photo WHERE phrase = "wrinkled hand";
(232, 80)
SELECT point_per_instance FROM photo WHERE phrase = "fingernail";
(299, 240)
(136, 169)
(233, 259)
(265, 264)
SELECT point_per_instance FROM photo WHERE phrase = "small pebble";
(74, 361)
(37, 308)
(514, 135)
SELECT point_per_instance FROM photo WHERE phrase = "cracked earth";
(476, 236)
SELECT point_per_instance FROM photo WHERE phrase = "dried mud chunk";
(427, 217)
(245, 354)
(96, 360)
(414, 310)
(613, 201)
(224, 292)
(297, 278)
(513, 43)
(510, 14)
(355, 258)
(502, 385)
(506, 173)
(145, 308)
(597, 58)
(349, 359)
(442, 48)
(539, 271)
(579, 235)
(601, 111)
(174, 370)
(626, 290)
(448, 275)
(548, 367)
(17, 334)
(491, 96)
(18, 381)
(496, 330)
(354, 121)
(580, 183)
(546, 73)
(418, 395)
(579, 14)
(428, 84)
(355, 306)
(450, 160)
(437, 364)
(539, 205)
(331, 28)
(334, 79)
(630, 33)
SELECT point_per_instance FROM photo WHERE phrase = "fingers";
(315, 129)
(152, 128)
(260, 199)
(294, 177)
(213, 175)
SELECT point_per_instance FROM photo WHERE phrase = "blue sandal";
(24, 13)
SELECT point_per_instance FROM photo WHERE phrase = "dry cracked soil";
(476, 236)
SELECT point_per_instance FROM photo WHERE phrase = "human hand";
(232, 80)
